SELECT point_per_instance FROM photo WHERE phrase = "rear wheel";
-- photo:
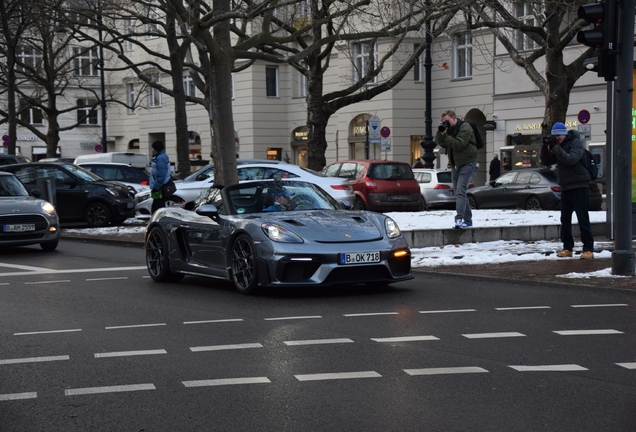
(157, 257)
(533, 203)
(97, 215)
(358, 204)
(244, 271)
(472, 202)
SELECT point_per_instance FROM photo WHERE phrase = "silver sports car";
(275, 233)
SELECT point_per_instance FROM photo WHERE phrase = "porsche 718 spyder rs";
(307, 240)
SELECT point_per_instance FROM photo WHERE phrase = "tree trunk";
(317, 118)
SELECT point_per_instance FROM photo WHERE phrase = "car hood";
(328, 226)
(20, 204)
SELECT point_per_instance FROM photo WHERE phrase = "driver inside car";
(282, 201)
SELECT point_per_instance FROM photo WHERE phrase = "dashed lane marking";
(214, 321)
(317, 342)
(445, 371)
(47, 282)
(130, 353)
(107, 279)
(627, 365)
(109, 389)
(18, 396)
(225, 347)
(33, 359)
(293, 318)
(134, 326)
(47, 332)
(405, 339)
(338, 376)
(522, 308)
(370, 314)
(550, 368)
(587, 332)
(600, 305)
(226, 381)
(493, 335)
(448, 311)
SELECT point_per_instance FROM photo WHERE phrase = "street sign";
(374, 127)
(98, 148)
(586, 132)
(5, 140)
(385, 132)
(584, 116)
(385, 144)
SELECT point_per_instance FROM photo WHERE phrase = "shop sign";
(537, 126)
(27, 138)
(89, 145)
(300, 135)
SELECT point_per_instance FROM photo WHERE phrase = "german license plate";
(19, 228)
(359, 257)
(399, 197)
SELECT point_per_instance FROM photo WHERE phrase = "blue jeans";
(576, 200)
(461, 178)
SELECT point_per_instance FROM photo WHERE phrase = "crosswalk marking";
(445, 370)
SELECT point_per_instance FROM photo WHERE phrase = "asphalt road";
(89, 343)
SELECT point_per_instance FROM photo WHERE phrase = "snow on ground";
(461, 254)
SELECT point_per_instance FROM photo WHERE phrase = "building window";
(130, 97)
(86, 114)
(188, 85)
(462, 55)
(28, 59)
(271, 81)
(154, 95)
(525, 15)
(152, 26)
(233, 89)
(364, 59)
(128, 30)
(30, 115)
(85, 61)
(417, 67)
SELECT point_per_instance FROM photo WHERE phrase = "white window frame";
(88, 118)
(524, 13)
(462, 55)
(154, 95)
(85, 59)
(365, 57)
(30, 116)
(268, 78)
(28, 56)
(188, 85)
(130, 97)
(418, 75)
(233, 87)
(128, 31)
(153, 14)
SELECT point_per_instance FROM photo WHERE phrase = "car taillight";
(144, 182)
(341, 187)
(441, 186)
(370, 184)
(555, 188)
(472, 185)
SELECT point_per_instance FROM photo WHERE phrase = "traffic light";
(603, 36)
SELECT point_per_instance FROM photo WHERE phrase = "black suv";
(120, 172)
(7, 159)
(79, 194)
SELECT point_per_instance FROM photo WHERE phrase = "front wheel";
(358, 204)
(49, 246)
(157, 257)
(244, 271)
(472, 202)
(533, 203)
(97, 215)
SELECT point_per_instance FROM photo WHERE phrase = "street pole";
(428, 144)
(623, 255)
(101, 77)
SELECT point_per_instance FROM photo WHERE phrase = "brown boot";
(587, 255)
(565, 253)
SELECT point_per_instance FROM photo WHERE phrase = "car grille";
(358, 274)
(39, 221)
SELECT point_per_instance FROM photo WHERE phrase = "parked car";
(7, 159)
(208, 170)
(80, 195)
(139, 160)
(317, 246)
(338, 188)
(383, 186)
(436, 186)
(529, 189)
(136, 178)
(24, 218)
(61, 159)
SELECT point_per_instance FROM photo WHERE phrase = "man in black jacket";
(567, 151)
(495, 168)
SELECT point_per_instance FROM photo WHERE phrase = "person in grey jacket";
(567, 151)
(458, 138)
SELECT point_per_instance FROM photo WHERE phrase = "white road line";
(627, 365)
(47, 332)
(370, 314)
(317, 342)
(549, 368)
(47, 282)
(445, 371)
(109, 389)
(134, 326)
(336, 376)
(522, 308)
(107, 279)
(18, 396)
(23, 267)
(130, 353)
(33, 359)
(225, 347)
(586, 332)
(599, 305)
(4, 283)
(226, 381)
(293, 318)
(492, 335)
(448, 311)
(405, 339)
(43, 271)
(214, 321)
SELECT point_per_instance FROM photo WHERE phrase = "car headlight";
(280, 234)
(113, 192)
(48, 207)
(142, 196)
(392, 228)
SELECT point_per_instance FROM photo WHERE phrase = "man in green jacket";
(458, 139)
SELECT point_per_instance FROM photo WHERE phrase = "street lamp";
(101, 77)
(428, 144)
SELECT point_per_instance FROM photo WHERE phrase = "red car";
(382, 186)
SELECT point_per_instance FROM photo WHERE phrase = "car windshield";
(11, 186)
(82, 173)
(390, 172)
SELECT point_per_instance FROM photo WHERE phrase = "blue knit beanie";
(559, 129)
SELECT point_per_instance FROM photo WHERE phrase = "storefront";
(299, 146)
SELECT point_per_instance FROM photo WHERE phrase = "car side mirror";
(35, 193)
(208, 210)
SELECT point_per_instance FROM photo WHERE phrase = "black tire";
(49, 246)
(157, 257)
(533, 203)
(173, 201)
(97, 215)
(358, 204)
(472, 202)
(244, 265)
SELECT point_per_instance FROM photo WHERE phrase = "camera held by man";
(443, 126)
